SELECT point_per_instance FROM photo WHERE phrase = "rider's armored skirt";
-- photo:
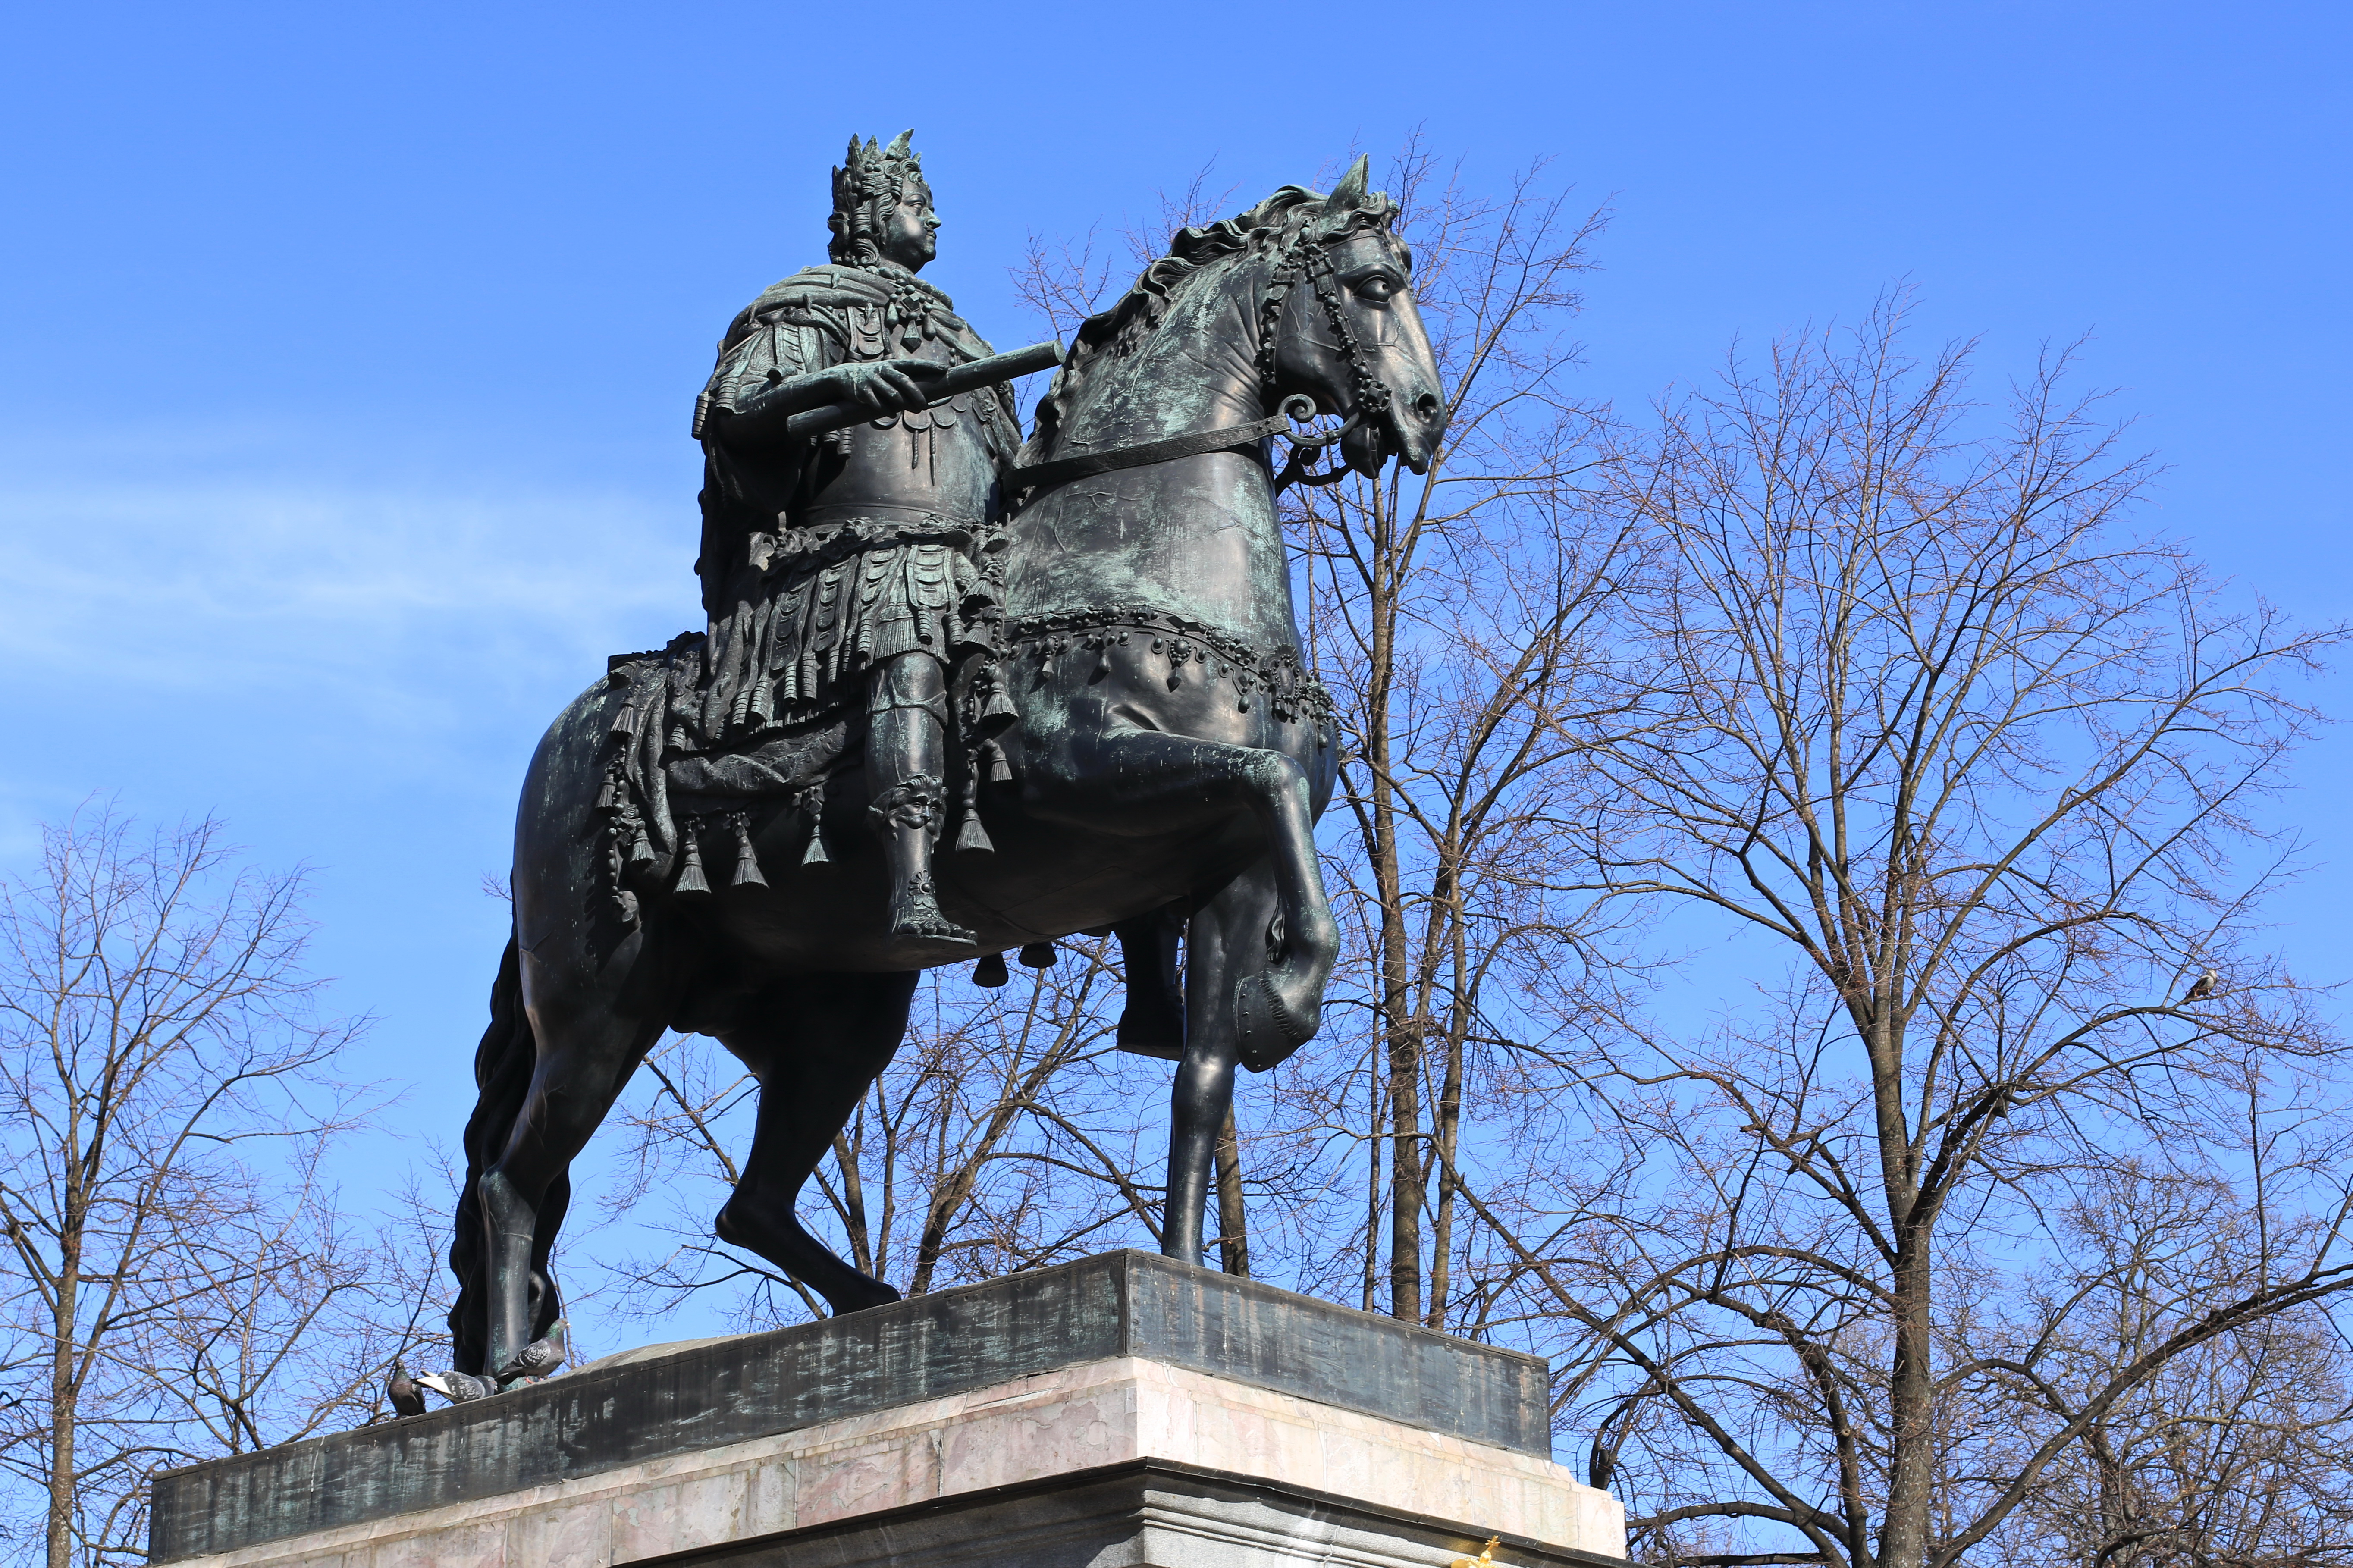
(837, 602)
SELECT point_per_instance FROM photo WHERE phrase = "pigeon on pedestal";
(407, 1398)
(541, 1357)
(458, 1387)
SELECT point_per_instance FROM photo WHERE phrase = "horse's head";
(1340, 326)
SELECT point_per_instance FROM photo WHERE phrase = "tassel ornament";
(747, 859)
(812, 801)
(691, 882)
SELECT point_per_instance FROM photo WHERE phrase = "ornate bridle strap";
(1303, 261)
(1298, 261)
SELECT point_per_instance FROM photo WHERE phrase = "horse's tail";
(504, 1064)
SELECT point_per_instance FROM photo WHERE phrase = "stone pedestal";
(1122, 1411)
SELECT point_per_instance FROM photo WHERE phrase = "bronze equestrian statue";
(957, 694)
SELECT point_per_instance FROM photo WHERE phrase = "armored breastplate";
(933, 462)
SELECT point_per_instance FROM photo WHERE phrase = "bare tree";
(2233, 1451)
(176, 1284)
(1980, 766)
(1461, 618)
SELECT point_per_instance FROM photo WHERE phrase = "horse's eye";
(1377, 288)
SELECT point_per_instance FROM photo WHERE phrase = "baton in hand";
(990, 371)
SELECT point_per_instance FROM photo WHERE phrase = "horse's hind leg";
(1225, 945)
(587, 1048)
(828, 1040)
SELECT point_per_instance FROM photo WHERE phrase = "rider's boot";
(907, 817)
(906, 748)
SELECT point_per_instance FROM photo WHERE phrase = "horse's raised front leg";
(1224, 946)
(815, 1048)
(587, 1048)
(1165, 779)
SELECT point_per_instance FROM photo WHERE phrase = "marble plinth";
(1185, 1419)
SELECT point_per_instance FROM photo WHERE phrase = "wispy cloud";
(413, 628)
(299, 584)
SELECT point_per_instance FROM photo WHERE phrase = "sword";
(993, 371)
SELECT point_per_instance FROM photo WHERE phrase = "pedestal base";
(1182, 1446)
(1150, 1514)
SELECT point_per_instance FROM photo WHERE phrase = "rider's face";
(909, 230)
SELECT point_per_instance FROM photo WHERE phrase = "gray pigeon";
(458, 1387)
(407, 1399)
(2206, 985)
(541, 1357)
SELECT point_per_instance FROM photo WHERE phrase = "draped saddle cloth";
(662, 786)
(656, 795)
(788, 706)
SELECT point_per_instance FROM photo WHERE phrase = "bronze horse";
(1154, 752)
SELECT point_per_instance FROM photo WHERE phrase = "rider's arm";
(880, 386)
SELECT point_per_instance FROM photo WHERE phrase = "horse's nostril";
(1425, 407)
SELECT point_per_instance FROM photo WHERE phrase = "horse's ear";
(1349, 193)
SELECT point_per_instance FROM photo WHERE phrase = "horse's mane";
(1111, 333)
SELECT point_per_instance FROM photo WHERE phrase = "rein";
(1300, 262)
(1297, 409)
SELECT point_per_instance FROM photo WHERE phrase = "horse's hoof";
(1266, 1030)
(1196, 1257)
(858, 1299)
(1152, 1032)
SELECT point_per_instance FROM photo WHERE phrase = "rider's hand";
(885, 386)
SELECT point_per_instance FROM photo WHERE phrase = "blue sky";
(348, 350)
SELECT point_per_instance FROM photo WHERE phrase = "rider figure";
(856, 565)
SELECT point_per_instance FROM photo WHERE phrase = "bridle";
(1310, 262)
(1302, 260)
